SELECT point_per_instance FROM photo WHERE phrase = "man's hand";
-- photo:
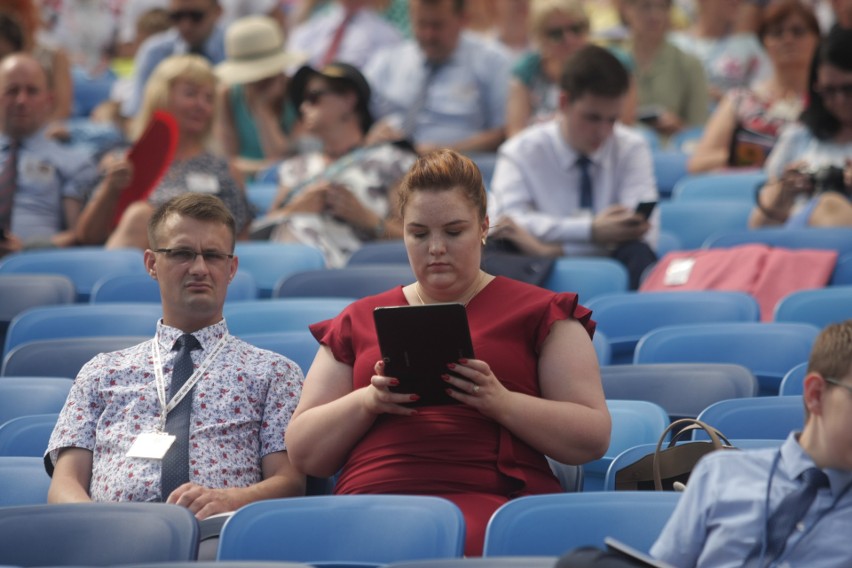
(9, 244)
(506, 228)
(617, 224)
(204, 502)
(118, 172)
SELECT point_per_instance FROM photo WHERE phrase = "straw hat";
(254, 49)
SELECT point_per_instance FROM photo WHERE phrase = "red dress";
(453, 451)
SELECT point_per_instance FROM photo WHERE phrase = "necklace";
(466, 302)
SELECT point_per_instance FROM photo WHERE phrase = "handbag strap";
(683, 426)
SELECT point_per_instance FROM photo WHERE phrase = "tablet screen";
(417, 342)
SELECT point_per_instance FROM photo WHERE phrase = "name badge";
(678, 271)
(151, 446)
(202, 183)
(37, 172)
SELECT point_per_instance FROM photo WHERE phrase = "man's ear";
(814, 388)
(150, 260)
(564, 100)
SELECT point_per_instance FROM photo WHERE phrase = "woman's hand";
(342, 203)
(310, 200)
(794, 181)
(379, 399)
(478, 387)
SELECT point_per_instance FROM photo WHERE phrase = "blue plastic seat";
(281, 314)
(96, 534)
(819, 306)
(602, 347)
(764, 417)
(686, 139)
(299, 346)
(83, 265)
(682, 389)
(839, 239)
(344, 528)
(550, 525)
(20, 292)
(842, 275)
(634, 422)
(32, 395)
(720, 186)
(143, 288)
(349, 282)
(83, 320)
(693, 222)
(669, 168)
(269, 262)
(587, 277)
(261, 194)
(27, 435)
(793, 383)
(61, 357)
(90, 91)
(767, 349)
(626, 317)
(380, 252)
(24, 481)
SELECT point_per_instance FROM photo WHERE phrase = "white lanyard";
(187, 386)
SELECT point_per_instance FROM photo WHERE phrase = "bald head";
(25, 97)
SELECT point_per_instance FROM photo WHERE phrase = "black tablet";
(417, 342)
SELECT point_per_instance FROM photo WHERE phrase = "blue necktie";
(583, 162)
(175, 467)
(791, 510)
(412, 115)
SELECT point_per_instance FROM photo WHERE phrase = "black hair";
(594, 70)
(836, 50)
(11, 31)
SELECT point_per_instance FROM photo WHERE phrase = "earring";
(483, 241)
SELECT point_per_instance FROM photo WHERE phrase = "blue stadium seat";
(819, 306)
(24, 481)
(351, 281)
(61, 357)
(281, 314)
(269, 262)
(27, 435)
(793, 383)
(261, 195)
(380, 252)
(298, 346)
(839, 239)
(602, 348)
(842, 275)
(669, 168)
(720, 186)
(764, 417)
(768, 349)
(587, 277)
(550, 525)
(32, 395)
(143, 288)
(693, 222)
(23, 291)
(626, 317)
(686, 139)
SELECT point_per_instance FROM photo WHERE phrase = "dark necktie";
(791, 510)
(583, 162)
(8, 184)
(409, 122)
(176, 461)
(336, 40)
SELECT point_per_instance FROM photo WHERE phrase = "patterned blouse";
(240, 410)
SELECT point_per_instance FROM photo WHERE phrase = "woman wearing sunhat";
(341, 196)
(257, 119)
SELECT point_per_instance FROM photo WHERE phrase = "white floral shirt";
(240, 410)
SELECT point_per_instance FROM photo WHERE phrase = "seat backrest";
(765, 417)
(842, 275)
(793, 382)
(669, 168)
(32, 395)
(269, 262)
(83, 265)
(24, 481)
(602, 347)
(102, 534)
(355, 528)
(817, 306)
(587, 277)
(767, 349)
(280, 314)
(694, 221)
(634, 422)
(23, 291)
(682, 389)
(833, 238)
(61, 357)
(570, 476)
(626, 317)
(352, 281)
(261, 194)
(142, 288)
(83, 320)
(381, 252)
(720, 186)
(298, 345)
(27, 435)
(550, 525)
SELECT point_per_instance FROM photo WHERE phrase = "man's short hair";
(596, 71)
(831, 354)
(198, 206)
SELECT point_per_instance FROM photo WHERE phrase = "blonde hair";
(192, 68)
(542, 10)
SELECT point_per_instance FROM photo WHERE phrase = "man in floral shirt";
(112, 437)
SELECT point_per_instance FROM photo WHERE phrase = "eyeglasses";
(831, 91)
(187, 256)
(795, 31)
(314, 96)
(837, 383)
(558, 34)
(195, 16)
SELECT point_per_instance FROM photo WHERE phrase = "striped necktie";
(8, 184)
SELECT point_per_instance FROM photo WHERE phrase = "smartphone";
(645, 208)
(2, 234)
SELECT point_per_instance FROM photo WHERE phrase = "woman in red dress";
(534, 389)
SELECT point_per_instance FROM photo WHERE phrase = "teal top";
(247, 135)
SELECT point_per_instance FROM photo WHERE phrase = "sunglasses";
(195, 16)
(832, 91)
(558, 34)
(795, 31)
(313, 96)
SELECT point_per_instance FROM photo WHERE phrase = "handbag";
(660, 470)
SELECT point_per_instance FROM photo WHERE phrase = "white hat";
(254, 49)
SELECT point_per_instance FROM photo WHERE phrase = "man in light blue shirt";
(195, 30)
(446, 89)
(722, 518)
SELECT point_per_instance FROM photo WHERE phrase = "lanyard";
(190, 382)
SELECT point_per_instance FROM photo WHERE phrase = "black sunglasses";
(193, 15)
(831, 91)
(313, 96)
(556, 34)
